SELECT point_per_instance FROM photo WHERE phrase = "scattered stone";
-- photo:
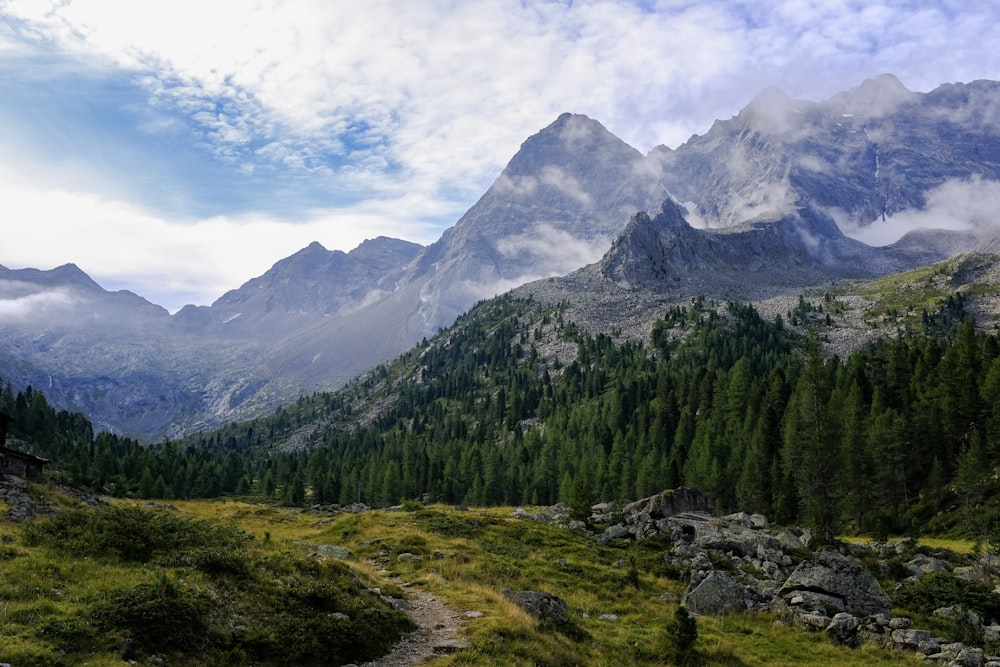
(407, 557)
(843, 628)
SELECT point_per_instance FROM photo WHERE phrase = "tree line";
(899, 436)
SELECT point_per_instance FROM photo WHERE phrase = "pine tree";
(680, 637)
(810, 447)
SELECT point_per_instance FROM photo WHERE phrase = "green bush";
(215, 601)
(163, 615)
(128, 532)
(680, 637)
(945, 590)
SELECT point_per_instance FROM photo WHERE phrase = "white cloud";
(416, 106)
(957, 204)
(565, 183)
(172, 264)
(24, 303)
(559, 252)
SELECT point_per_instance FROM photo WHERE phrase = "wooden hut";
(14, 462)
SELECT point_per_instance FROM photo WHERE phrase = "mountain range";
(758, 206)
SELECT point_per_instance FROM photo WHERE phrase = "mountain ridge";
(777, 186)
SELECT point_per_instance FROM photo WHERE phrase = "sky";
(179, 148)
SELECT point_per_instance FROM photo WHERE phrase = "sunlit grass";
(466, 559)
(960, 546)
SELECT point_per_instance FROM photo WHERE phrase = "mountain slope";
(777, 185)
(863, 155)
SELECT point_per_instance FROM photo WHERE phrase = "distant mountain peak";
(874, 97)
(567, 140)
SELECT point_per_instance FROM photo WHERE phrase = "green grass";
(903, 297)
(126, 582)
(72, 607)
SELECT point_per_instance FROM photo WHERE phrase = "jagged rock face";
(555, 207)
(865, 154)
(803, 248)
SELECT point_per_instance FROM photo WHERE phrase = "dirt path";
(436, 634)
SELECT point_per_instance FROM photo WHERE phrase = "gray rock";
(929, 647)
(815, 602)
(910, 639)
(329, 551)
(900, 623)
(843, 628)
(717, 593)
(841, 577)
(991, 634)
(812, 621)
(616, 532)
(667, 504)
(540, 604)
(406, 557)
(921, 565)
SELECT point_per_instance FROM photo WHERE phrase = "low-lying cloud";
(30, 303)
(958, 204)
(558, 251)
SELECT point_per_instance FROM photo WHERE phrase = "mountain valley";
(756, 209)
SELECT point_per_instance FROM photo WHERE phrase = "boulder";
(717, 593)
(667, 504)
(921, 565)
(910, 639)
(843, 628)
(540, 604)
(839, 577)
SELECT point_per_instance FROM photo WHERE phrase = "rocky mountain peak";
(874, 97)
(566, 140)
(67, 275)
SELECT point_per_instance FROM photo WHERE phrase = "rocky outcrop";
(740, 563)
(836, 581)
(26, 501)
(20, 505)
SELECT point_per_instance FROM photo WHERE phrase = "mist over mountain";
(766, 202)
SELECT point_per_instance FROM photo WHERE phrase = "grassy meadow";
(250, 574)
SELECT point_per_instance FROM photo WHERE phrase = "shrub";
(163, 615)
(945, 590)
(680, 637)
(128, 532)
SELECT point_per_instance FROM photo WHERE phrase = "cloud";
(19, 301)
(172, 264)
(267, 124)
(958, 204)
(559, 252)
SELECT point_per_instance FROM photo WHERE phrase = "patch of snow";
(231, 318)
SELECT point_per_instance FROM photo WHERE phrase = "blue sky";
(178, 149)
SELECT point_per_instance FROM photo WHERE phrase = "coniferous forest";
(516, 405)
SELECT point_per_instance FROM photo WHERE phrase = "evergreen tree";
(810, 449)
